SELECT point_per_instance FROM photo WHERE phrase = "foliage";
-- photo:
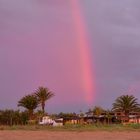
(76, 128)
(29, 102)
(97, 110)
(11, 117)
(126, 104)
(43, 94)
(67, 115)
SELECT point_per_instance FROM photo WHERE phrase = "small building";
(71, 120)
(133, 117)
(46, 120)
(105, 118)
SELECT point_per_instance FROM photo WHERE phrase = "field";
(71, 132)
(68, 135)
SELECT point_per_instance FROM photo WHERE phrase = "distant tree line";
(13, 117)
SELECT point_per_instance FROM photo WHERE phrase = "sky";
(87, 52)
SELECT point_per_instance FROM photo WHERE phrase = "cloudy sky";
(38, 48)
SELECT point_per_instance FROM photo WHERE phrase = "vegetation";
(76, 127)
(43, 94)
(67, 115)
(32, 101)
(126, 104)
(97, 110)
(29, 102)
(11, 117)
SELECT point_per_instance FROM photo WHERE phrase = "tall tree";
(29, 102)
(126, 104)
(43, 94)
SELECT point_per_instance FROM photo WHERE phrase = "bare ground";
(47, 135)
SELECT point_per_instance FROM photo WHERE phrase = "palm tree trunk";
(43, 107)
(127, 115)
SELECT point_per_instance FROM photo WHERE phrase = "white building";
(46, 120)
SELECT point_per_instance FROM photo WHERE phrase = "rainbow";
(83, 44)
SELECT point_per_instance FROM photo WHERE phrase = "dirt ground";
(47, 135)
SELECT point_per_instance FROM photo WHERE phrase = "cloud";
(37, 47)
(115, 30)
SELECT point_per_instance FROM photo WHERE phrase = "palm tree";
(43, 94)
(126, 104)
(29, 102)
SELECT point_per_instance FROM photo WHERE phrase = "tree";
(11, 117)
(43, 94)
(126, 104)
(97, 110)
(6, 117)
(29, 102)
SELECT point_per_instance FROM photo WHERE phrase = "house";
(104, 117)
(133, 117)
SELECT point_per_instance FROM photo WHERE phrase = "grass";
(78, 127)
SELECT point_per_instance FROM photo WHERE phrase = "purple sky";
(38, 48)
